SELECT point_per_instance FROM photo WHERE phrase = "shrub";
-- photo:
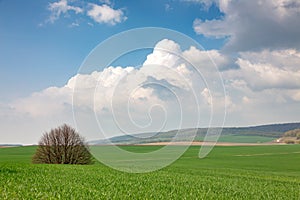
(289, 141)
(62, 145)
(292, 133)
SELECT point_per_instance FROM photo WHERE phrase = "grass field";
(257, 172)
(244, 139)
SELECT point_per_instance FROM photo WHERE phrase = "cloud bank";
(165, 93)
(254, 25)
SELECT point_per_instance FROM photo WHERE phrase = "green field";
(242, 139)
(258, 172)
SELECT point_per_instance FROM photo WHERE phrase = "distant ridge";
(261, 133)
(10, 145)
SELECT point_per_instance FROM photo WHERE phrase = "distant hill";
(10, 145)
(251, 134)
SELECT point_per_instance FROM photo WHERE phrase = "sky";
(207, 63)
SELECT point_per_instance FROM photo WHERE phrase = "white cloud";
(48, 102)
(256, 24)
(263, 36)
(105, 14)
(286, 59)
(206, 94)
(266, 76)
(270, 69)
(295, 95)
(165, 53)
(211, 28)
(162, 94)
(168, 7)
(73, 24)
(108, 2)
(206, 3)
(206, 60)
(265, 89)
(61, 7)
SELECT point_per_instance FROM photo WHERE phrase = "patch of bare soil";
(6, 146)
(207, 143)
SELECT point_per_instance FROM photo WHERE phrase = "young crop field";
(244, 139)
(256, 172)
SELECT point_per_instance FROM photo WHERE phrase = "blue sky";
(253, 45)
(36, 54)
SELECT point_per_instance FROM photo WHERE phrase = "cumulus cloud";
(48, 102)
(206, 95)
(295, 95)
(254, 25)
(269, 69)
(105, 14)
(165, 93)
(266, 76)
(287, 59)
(207, 60)
(263, 37)
(266, 86)
(211, 28)
(61, 7)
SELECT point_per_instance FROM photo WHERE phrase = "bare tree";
(62, 145)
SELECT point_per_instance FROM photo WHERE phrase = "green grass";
(259, 172)
(17, 154)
